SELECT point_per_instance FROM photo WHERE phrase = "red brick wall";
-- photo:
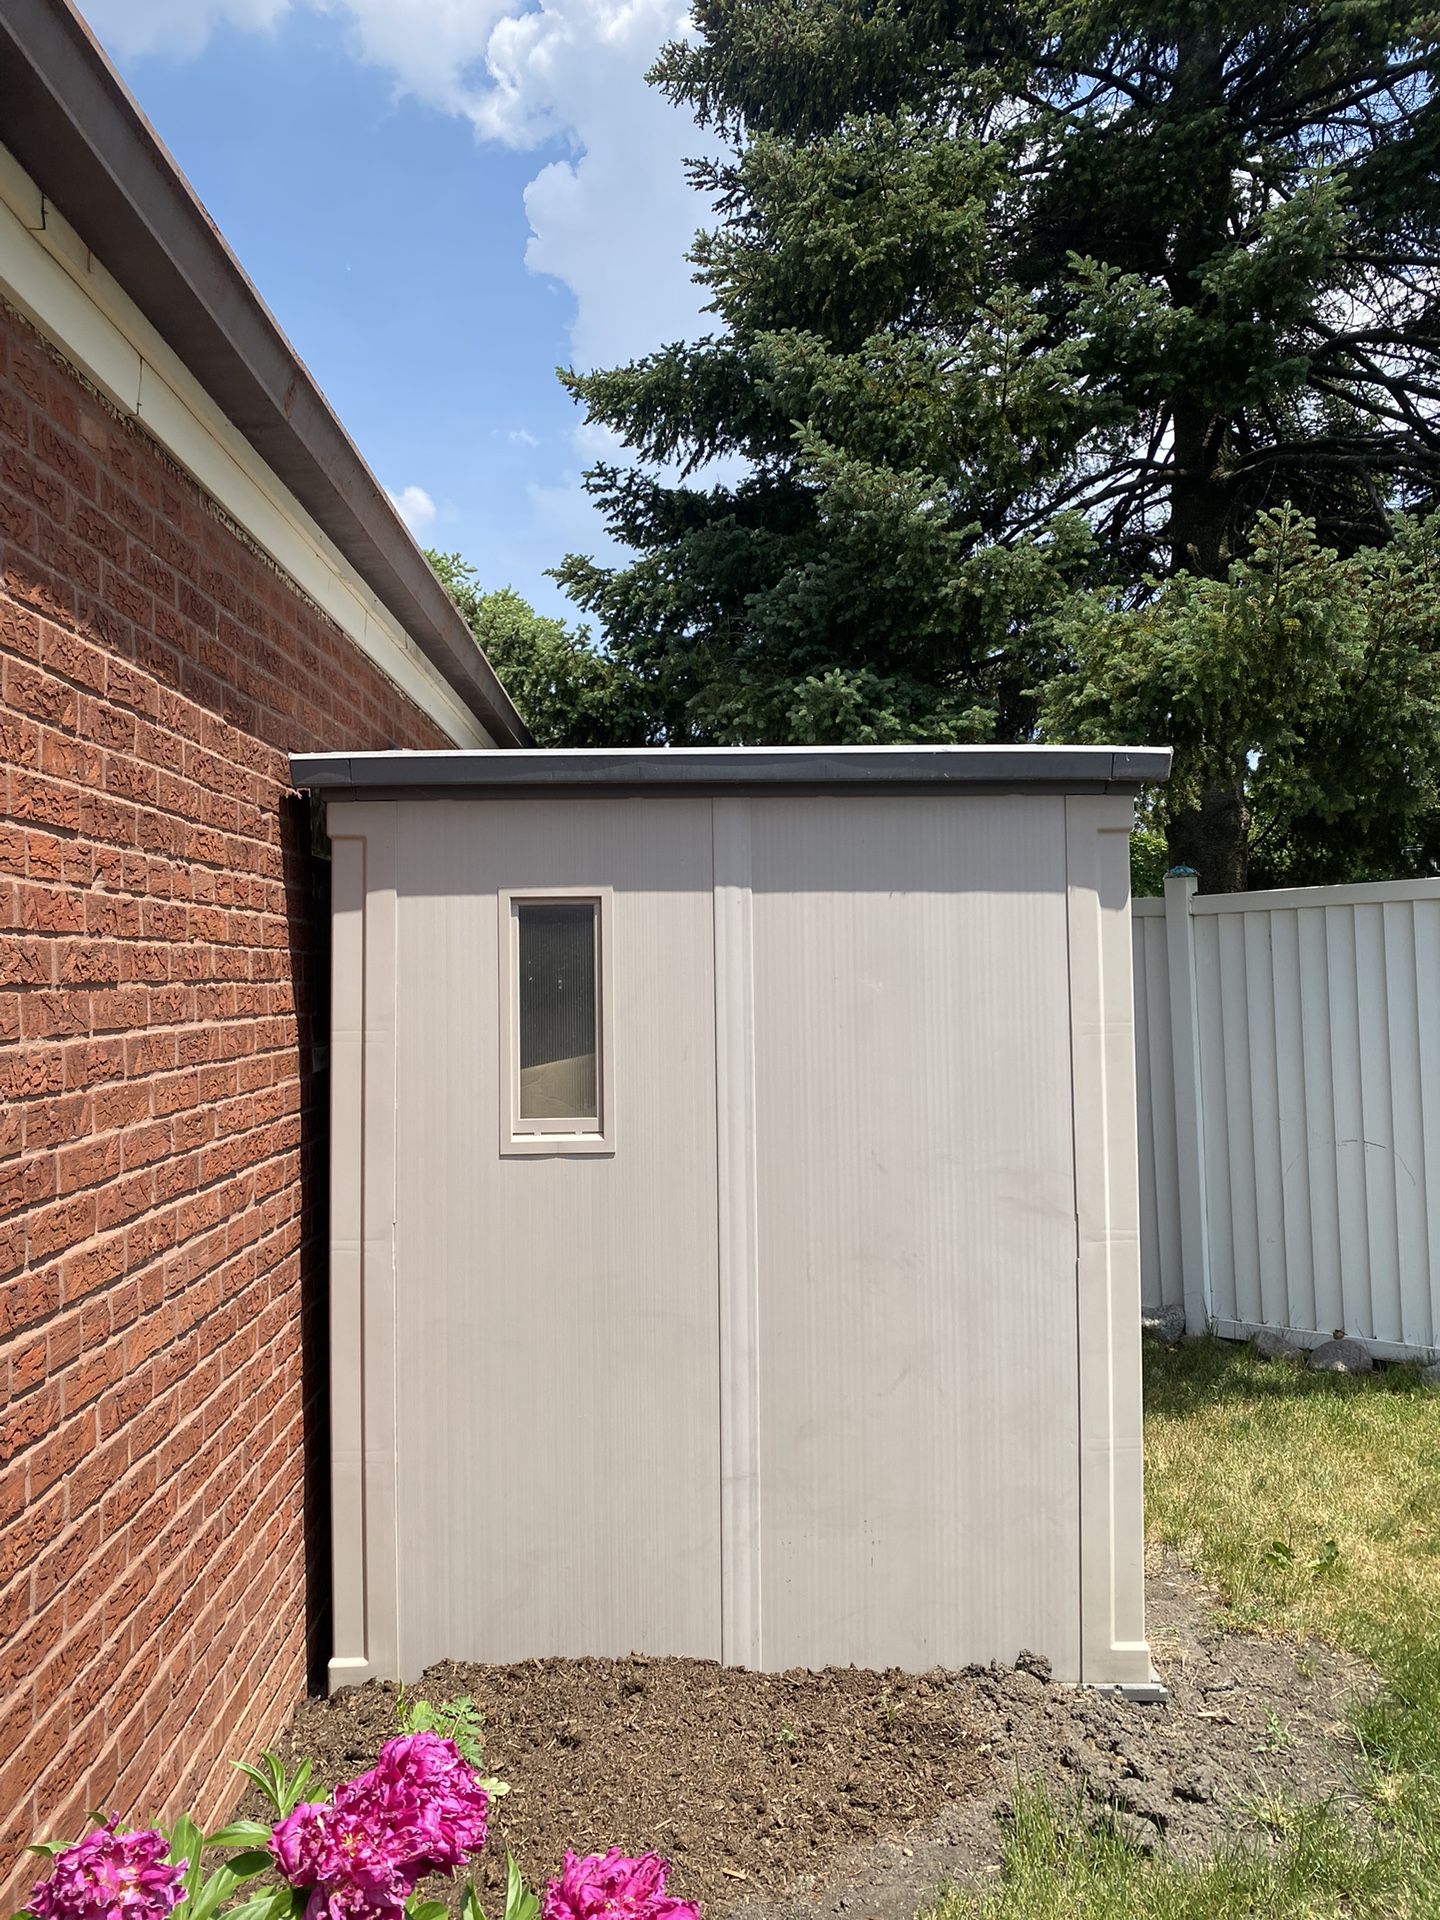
(161, 1139)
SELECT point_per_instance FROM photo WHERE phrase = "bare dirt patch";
(780, 1795)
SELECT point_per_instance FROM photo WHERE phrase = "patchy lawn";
(1312, 1503)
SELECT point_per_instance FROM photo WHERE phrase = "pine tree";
(1010, 302)
(1322, 670)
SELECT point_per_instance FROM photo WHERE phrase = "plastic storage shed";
(733, 1207)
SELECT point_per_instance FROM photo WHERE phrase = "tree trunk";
(1199, 529)
(1213, 838)
(1200, 533)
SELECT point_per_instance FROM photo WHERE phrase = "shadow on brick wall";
(307, 897)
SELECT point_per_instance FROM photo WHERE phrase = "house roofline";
(70, 122)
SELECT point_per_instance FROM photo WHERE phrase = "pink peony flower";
(111, 1876)
(454, 1809)
(346, 1858)
(419, 1810)
(350, 1901)
(427, 1799)
(298, 1844)
(609, 1883)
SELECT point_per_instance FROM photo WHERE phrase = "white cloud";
(176, 27)
(435, 48)
(522, 437)
(612, 219)
(415, 508)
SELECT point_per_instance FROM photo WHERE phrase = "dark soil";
(777, 1795)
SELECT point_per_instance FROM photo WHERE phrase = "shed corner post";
(1113, 1648)
(365, 1582)
(1180, 886)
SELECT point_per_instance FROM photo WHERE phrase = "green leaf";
(246, 1865)
(457, 1720)
(263, 1780)
(240, 1833)
(1327, 1558)
(427, 1910)
(280, 1903)
(188, 1843)
(470, 1908)
(217, 1887)
(520, 1903)
(225, 1879)
(284, 1792)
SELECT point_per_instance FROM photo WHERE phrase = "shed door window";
(557, 975)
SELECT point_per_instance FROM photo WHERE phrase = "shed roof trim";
(71, 123)
(688, 769)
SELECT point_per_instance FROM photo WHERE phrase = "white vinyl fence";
(1288, 1072)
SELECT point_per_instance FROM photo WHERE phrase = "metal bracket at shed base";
(1142, 1693)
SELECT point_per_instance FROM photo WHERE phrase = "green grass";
(1059, 1867)
(1312, 1503)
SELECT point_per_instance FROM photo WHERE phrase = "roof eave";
(70, 122)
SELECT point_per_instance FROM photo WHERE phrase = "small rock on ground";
(1341, 1356)
(1271, 1342)
(1164, 1323)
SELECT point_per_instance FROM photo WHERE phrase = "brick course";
(161, 1140)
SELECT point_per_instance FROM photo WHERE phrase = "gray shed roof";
(630, 770)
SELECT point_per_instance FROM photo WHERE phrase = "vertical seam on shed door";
(737, 1234)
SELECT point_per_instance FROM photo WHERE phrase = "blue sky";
(441, 201)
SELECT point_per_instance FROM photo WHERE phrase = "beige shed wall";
(918, 1411)
(836, 1358)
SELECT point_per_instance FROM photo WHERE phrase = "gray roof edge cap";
(677, 769)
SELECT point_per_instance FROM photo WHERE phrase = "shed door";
(557, 1439)
(917, 1371)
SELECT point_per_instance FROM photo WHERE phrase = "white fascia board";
(47, 272)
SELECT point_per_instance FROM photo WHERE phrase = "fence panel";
(1317, 1137)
